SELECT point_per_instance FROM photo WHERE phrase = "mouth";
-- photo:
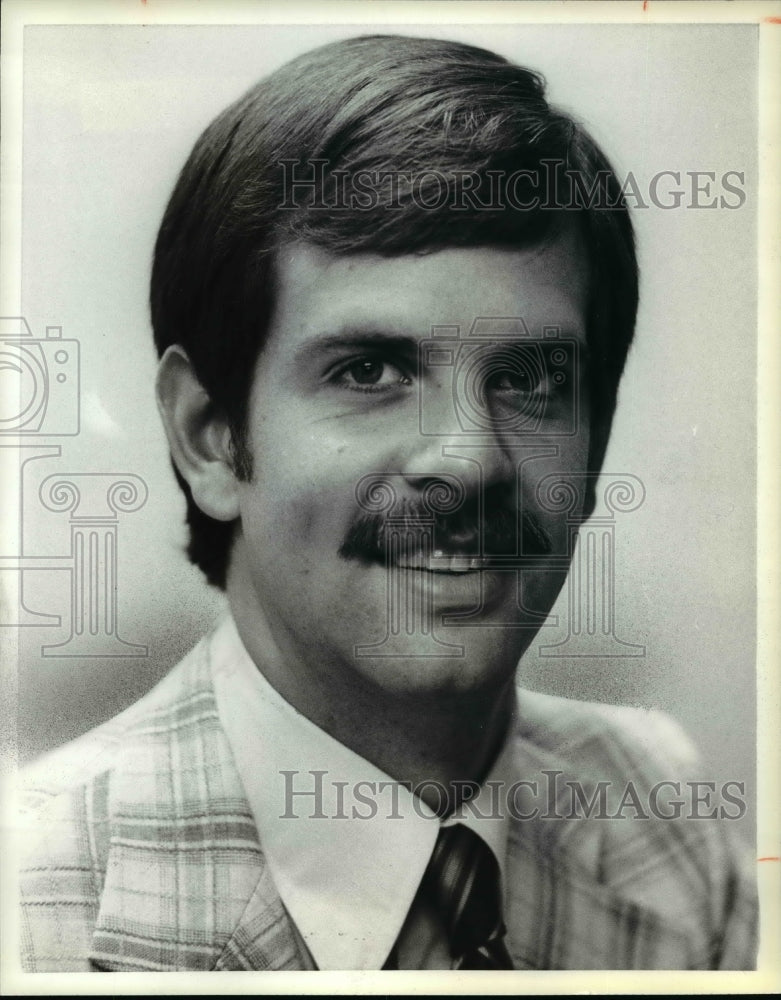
(441, 562)
(453, 580)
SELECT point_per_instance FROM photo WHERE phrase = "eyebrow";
(357, 337)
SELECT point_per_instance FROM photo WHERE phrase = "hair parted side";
(386, 105)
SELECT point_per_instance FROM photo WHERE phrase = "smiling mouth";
(441, 562)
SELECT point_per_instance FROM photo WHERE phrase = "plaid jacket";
(141, 852)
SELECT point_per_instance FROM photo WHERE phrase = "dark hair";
(381, 104)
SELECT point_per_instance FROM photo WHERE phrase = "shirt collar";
(346, 844)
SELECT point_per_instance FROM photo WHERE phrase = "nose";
(444, 442)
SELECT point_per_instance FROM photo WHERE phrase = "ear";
(198, 436)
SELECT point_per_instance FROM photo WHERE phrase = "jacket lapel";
(596, 892)
(186, 884)
(561, 917)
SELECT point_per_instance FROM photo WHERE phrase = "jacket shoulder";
(80, 761)
(611, 741)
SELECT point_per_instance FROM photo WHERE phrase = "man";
(393, 294)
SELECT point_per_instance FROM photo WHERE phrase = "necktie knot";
(462, 881)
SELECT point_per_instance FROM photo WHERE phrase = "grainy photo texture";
(382, 415)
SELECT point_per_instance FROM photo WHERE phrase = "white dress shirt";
(347, 856)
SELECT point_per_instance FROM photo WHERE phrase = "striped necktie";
(462, 881)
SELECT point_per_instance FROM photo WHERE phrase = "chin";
(454, 660)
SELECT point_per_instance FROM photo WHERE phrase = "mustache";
(462, 532)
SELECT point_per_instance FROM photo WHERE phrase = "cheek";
(554, 487)
(302, 495)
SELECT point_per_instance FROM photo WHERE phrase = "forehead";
(320, 292)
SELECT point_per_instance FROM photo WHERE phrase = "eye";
(520, 380)
(515, 372)
(370, 374)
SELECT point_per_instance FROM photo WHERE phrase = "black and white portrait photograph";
(389, 553)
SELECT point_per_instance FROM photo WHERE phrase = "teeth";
(440, 562)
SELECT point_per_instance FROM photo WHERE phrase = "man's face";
(393, 531)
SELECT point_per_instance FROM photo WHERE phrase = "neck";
(436, 741)
(438, 745)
